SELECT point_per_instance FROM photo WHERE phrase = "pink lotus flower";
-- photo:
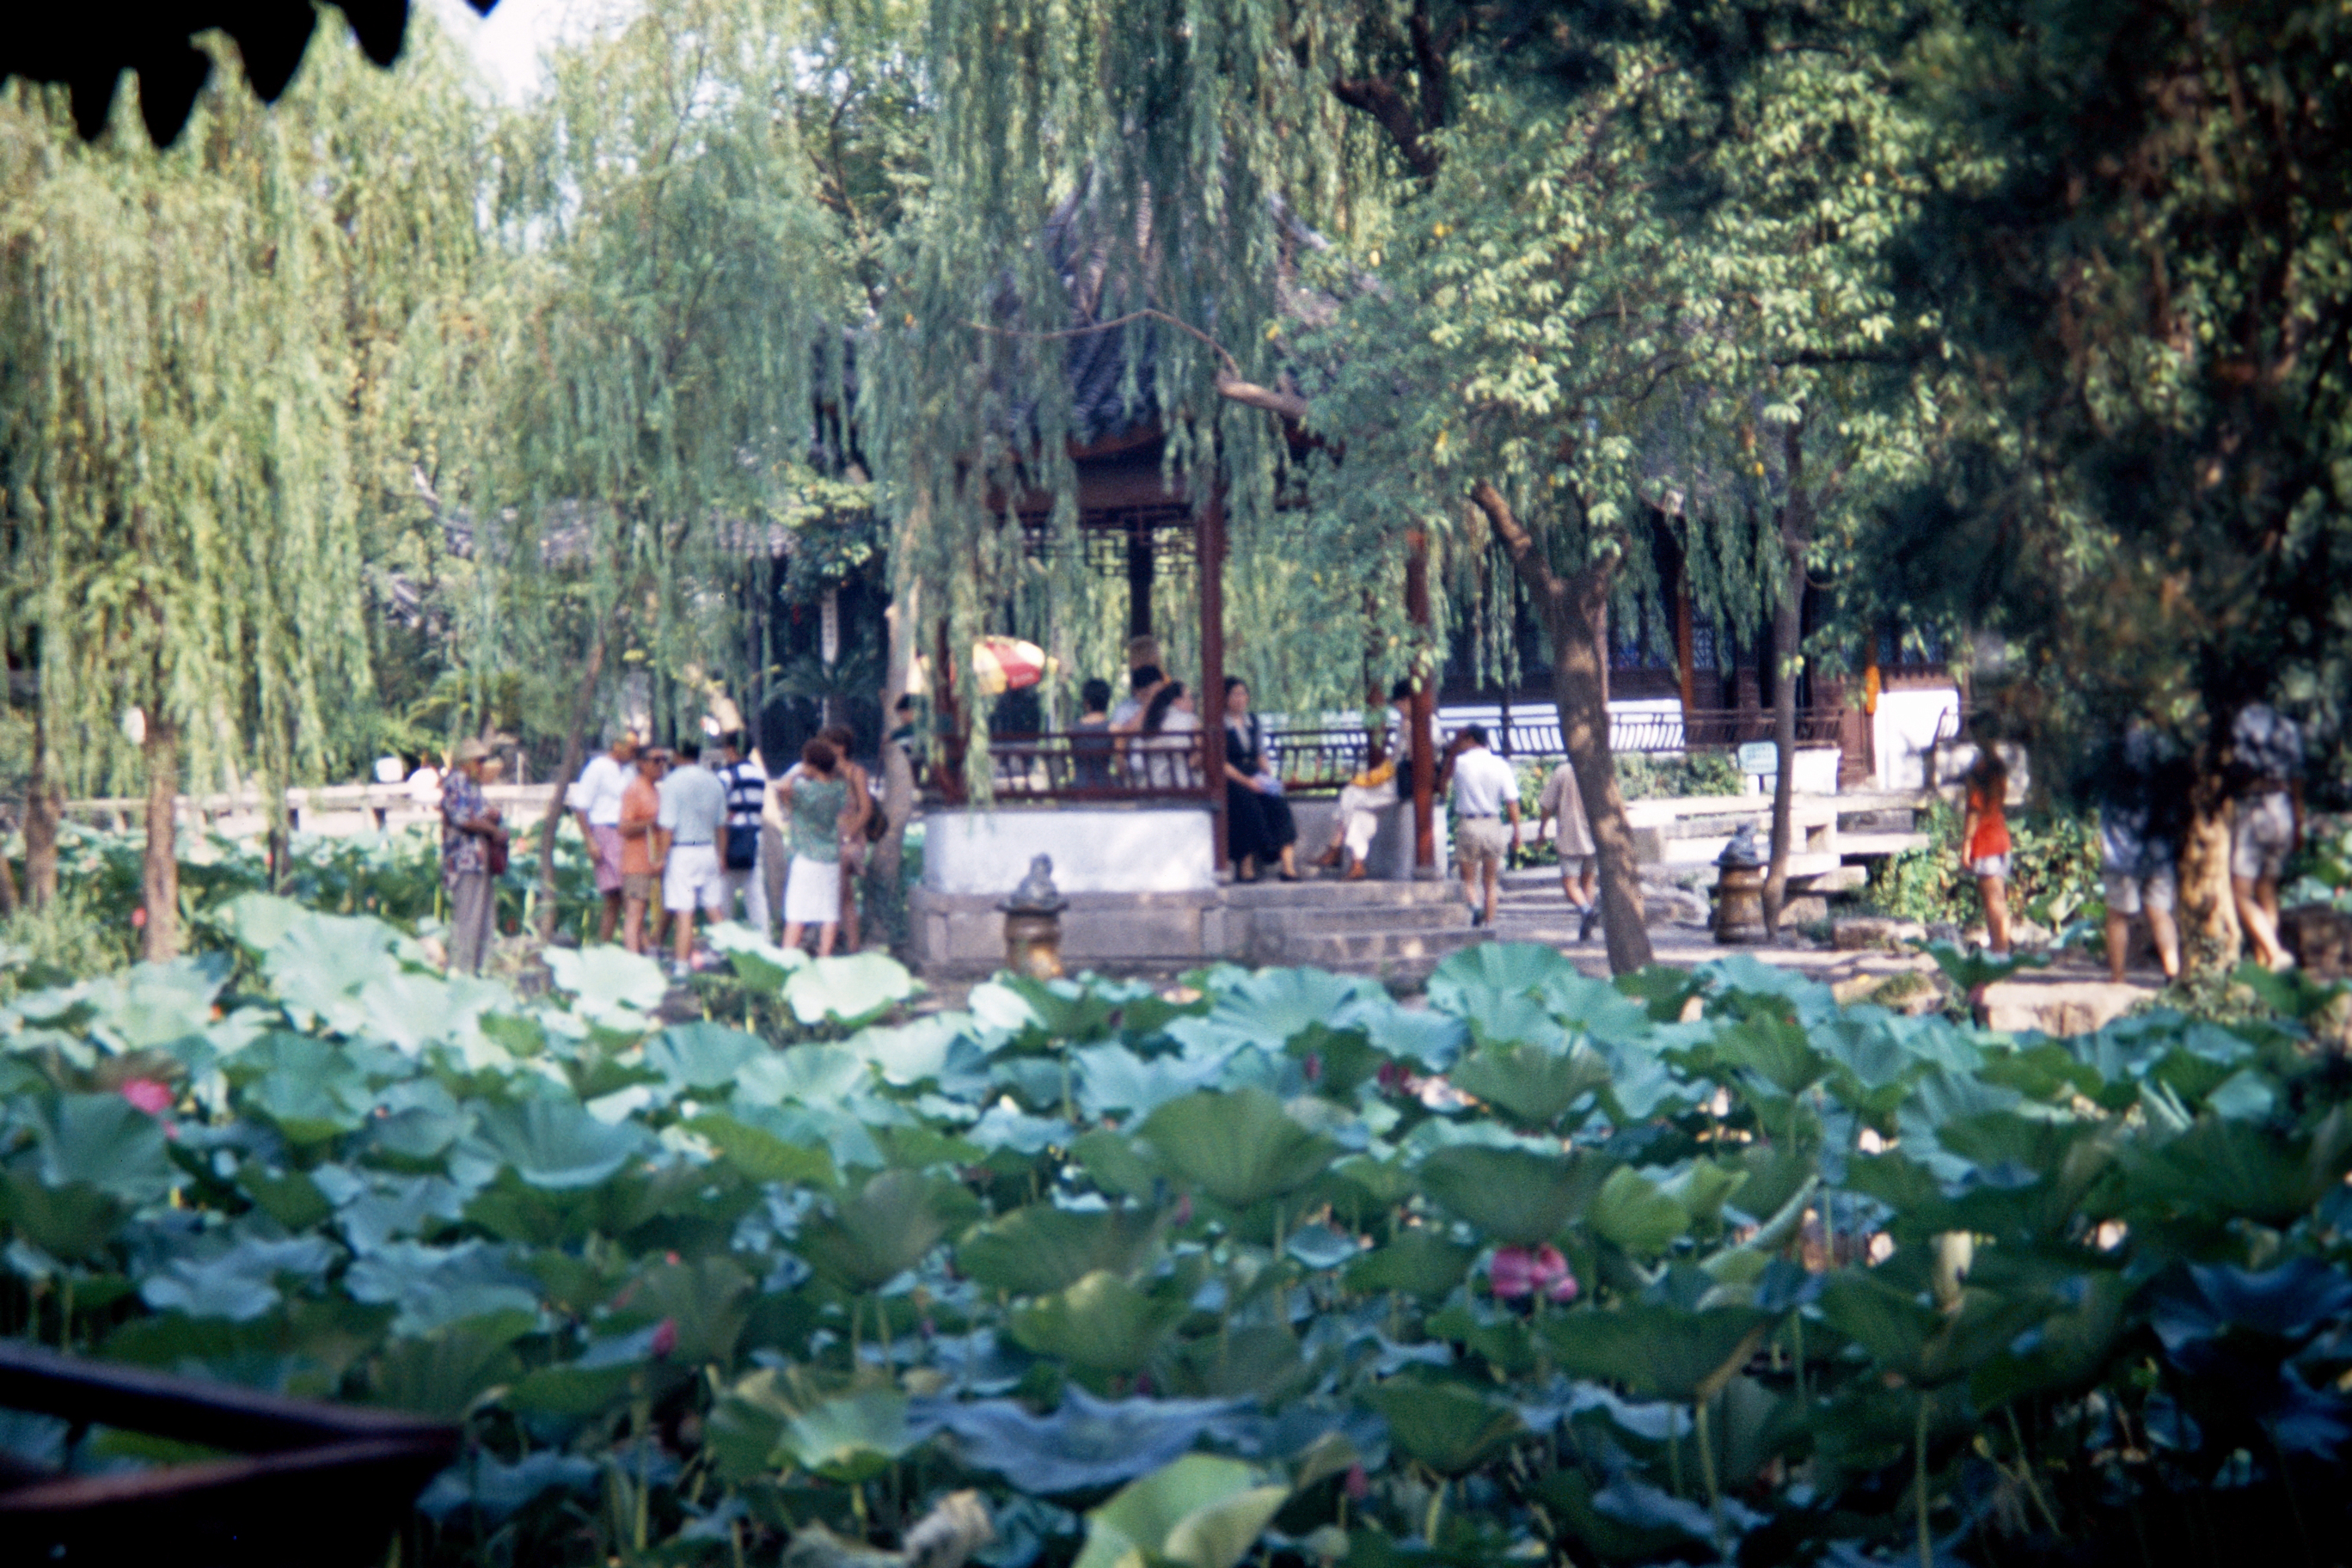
(1517, 1271)
(149, 1095)
(665, 1337)
(1314, 1067)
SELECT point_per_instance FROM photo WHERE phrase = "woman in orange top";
(1984, 840)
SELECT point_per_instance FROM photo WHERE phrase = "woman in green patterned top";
(815, 798)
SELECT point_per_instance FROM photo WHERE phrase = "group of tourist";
(677, 831)
(2144, 815)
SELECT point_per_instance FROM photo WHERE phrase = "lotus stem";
(1919, 1462)
(1436, 1513)
(1707, 1473)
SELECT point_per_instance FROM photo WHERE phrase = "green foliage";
(1278, 1287)
(2054, 877)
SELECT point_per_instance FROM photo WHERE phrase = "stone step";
(1360, 917)
(1372, 951)
(1327, 892)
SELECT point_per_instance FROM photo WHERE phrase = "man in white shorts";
(1486, 795)
(693, 814)
(2266, 757)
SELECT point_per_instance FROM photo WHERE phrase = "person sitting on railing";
(1090, 741)
(1168, 755)
(1374, 790)
(1257, 819)
(1143, 677)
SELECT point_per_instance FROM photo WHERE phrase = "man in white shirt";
(596, 803)
(693, 814)
(1580, 877)
(1486, 795)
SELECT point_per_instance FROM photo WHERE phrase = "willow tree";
(1141, 170)
(188, 560)
(680, 301)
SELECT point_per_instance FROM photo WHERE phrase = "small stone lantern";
(1033, 923)
(1740, 889)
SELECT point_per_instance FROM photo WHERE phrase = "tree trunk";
(160, 873)
(1420, 709)
(1786, 636)
(1581, 692)
(898, 768)
(1572, 609)
(42, 802)
(2211, 937)
(575, 734)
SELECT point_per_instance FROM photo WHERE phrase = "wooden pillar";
(1208, 542)
(1140, 568)
(1420, 710)
(1684, 647)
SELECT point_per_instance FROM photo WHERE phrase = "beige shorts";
(1481, 841)
(2263, 835)
(644, 886)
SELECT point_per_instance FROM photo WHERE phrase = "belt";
(694, 844)
(1480, 815)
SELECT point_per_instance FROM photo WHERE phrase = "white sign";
(1759, 757)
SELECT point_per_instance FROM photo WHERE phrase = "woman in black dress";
(1257, 818)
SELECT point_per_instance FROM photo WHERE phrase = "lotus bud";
(1314, 1067)
(1358, 1488)
(149, 1095)
(1511, 1273)
(1955, 1251)
(1549, 1274)
(665, 1337)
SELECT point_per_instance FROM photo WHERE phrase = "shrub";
(2054, 872)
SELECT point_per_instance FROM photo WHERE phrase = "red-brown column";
(1424, 705)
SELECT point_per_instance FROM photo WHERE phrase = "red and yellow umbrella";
(1006, 664)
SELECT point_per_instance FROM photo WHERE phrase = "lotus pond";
(1271, 1268)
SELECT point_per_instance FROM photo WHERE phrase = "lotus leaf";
(883, 1229)
(1658, 1351)
(1536, 1085)
(437, 1286)
(851, 991)
(701, 1055)
(818, 1075)
(239, 1284)
(417, 1119)
(101, 1142)
(1198, 1512)
(483, 1483)
(1112, 1078)
(607, 982)
(554, 1144)
(312, 1089)
(1101, 1322)
(853, 1438)
(72, 1222)
(1037, 1250)
(758, 963)
(1449, 1426)
(319, 965)
(1320, 1246)
(1242, 1148)
(1517, 1196)
(1268, 1010)
(153, 1005)
(1419, 1262)
(443, 1375)
(1084, 1445)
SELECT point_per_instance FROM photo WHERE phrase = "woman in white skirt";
(813, 797)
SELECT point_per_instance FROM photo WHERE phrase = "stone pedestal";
(1739, 905)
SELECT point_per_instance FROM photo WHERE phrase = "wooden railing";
(1094, 765)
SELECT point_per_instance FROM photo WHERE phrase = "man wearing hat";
(468, 828)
